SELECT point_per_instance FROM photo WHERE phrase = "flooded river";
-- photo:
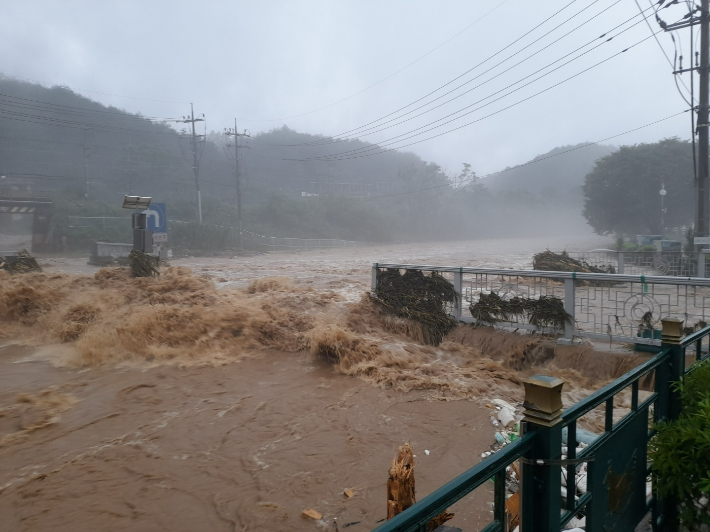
(200, 400)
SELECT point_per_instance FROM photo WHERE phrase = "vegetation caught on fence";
(681, 451)
(418, 297)
(546, 311)
(143, 265)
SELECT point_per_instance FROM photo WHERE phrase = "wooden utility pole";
(235, 133)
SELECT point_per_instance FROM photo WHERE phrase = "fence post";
(569, 308)
(701, 264)
(373, 285)
(620, 263)
(541, 482)
(668, 407)
(458, 286)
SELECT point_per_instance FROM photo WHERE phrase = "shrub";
(681, 451)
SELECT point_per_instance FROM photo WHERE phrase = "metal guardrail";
(617, 460)
(669, 263)
(604, 306)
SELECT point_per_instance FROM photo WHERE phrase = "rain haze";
(329, 67)
(264, 264)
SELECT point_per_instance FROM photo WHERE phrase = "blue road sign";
(157, 219)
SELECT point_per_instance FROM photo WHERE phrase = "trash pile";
(506, 419)
(561, 262)
(21, 262)
(545, 311)
(418, 297)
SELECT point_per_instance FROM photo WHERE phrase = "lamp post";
(662, 192)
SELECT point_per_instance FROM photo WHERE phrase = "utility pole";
(702, 215)
(235, 133)
(196, 156)
(702, 226)
(86, 153)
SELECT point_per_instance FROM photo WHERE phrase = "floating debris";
(22, 262)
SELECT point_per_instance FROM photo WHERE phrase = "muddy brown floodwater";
(232, 394)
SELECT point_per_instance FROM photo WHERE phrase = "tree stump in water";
(400, 485)
(401, 493)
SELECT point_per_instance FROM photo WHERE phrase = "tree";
(621, 193)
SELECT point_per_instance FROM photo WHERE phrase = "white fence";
(673, 263)
(603, 306)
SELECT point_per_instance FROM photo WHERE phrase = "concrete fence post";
(701, 264)
(569, 308)
(458, 286)
(620, 263)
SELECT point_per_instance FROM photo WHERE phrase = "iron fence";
(614, 307)
(619, 488)
(670, 263)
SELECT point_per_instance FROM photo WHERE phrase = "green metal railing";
(618, 470)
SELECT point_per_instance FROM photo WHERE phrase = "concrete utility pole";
(702, 215)
(234, 132)
(86, 153)
(196, 156)
(702, 225)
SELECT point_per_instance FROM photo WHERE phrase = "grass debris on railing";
(561, 262)
(143, 265)
(546, 311)
(418, 297)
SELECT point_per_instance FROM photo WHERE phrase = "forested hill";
(46, 132)
(557, 174)
(87, 156)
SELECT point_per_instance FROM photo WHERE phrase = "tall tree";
(621, 193)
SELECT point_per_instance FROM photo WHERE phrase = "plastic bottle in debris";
(495, 422)
(499, 438)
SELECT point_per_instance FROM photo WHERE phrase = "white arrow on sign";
(151, 212)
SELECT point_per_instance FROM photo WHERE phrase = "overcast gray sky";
(271, 63)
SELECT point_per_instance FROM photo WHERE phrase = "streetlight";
(662, 192)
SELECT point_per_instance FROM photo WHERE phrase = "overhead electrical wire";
(79, 125)
(508, 86)
(339, 156)
(534, 161)
(354, 133)
(484, 61)
(70, 109)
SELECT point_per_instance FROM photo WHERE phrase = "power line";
(504, 88)
(339, 137)
(48, 121)
(470, 69)
(81, 111)
(534, 161)
(339, 156)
